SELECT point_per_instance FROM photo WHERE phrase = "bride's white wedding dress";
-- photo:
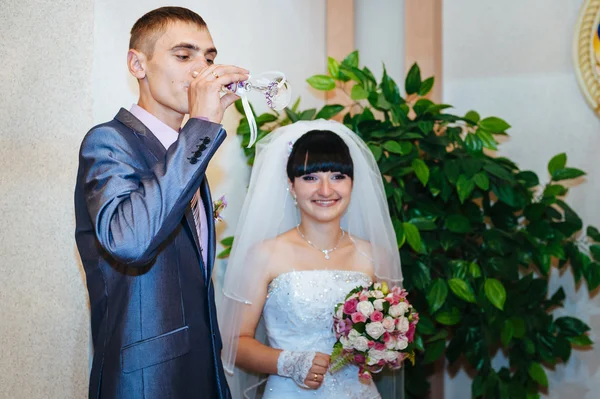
(298, 315)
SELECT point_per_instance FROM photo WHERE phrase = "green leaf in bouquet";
(462, 289)
(321, 82)
(495, 292)
(359, 327)
(557, 162)
(339, 359)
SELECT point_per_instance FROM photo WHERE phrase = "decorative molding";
(586, 52)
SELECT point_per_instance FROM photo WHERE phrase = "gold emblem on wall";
(587, 52)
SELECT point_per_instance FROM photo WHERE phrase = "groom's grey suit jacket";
(153, 316)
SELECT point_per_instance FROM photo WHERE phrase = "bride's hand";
(316, 374)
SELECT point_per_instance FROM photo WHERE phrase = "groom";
(145, 230)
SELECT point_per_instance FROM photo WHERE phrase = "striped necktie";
(196, 213)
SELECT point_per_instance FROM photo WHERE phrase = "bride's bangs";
(319, 151)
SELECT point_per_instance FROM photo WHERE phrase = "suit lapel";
(159, 152)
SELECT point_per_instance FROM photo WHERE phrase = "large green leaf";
(482, 180)
(458, 224)
(333, 67)
(227, 241)
(321, 82)
(495, 292)
(413, 80)
(494, 124)
(462, 289)
(359, 92)
(570, 326)
(390, 89)
(438, 292)
(537, 373)
(329, 111)
(352, 59)
(412, 236)
(566, 174)
(448, 317)
(421, 170)
(557, 162)
(464, 187)
(433, 351)
(426, 86)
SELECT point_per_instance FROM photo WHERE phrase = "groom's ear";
(136, 62)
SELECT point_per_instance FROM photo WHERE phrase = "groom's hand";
(317, 372)
(204, 92)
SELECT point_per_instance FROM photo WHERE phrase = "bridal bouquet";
(374, 327)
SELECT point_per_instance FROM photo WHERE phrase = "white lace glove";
(295, 365)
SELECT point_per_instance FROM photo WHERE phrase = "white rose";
(399, 309)
(366, 308)
(389, 324)
(391, 344)
(403, 307)
(403, 325)
(377, 294)
(402, 343)
(361, 344)
(345, 343)
(375, 329)
(340, 312)
(353, 335)
(375, 356)
(378, 304)
(390, 356)
(377, 286)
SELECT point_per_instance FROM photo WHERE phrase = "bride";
(315, 225)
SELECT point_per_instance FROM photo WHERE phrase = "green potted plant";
(477, 235)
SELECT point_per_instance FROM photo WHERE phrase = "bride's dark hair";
(319, 151)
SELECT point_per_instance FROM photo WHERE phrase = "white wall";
(45, 108)
(512, 59)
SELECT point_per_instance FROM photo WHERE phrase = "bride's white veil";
(269, 211)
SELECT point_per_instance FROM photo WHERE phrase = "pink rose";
(359, 359)
(363, 298)
(410, 334)
(358, 317)
(389, 324)
(376, 316)
(350, 306)
(379, 346)
(364, 374)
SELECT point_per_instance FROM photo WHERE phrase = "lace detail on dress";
(295, 365)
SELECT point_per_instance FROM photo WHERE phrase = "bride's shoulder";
(363, 247)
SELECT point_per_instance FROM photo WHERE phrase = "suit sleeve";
(135, 209)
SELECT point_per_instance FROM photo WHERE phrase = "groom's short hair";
(150, 27)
